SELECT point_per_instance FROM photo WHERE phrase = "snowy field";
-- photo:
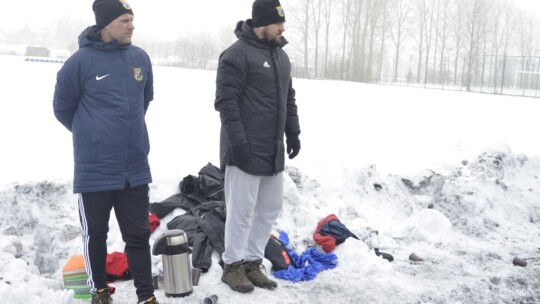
(450, 176)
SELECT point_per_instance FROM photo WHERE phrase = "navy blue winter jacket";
(101, 96)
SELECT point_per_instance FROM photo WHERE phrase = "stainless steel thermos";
(175, 252)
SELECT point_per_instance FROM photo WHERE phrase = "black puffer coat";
(205, 227)
(256, 101)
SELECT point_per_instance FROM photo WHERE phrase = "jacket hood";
(244, 31)
(90, 37)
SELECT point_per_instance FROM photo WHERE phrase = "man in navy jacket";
(257, 106)
(102, 94)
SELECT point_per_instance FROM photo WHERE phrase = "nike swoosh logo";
(101, 77)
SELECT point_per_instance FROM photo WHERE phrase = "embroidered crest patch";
(280, 11)
(137, 73)
(125, 4)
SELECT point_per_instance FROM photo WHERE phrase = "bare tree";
(374, 10)
(430, 10)
(328, 7)
(384, 26)
(360, 22)
(437, 32)
(225, 37)
(509, 22)
(316, 11)
(444, 37)
(496, 24)
(398, 29)
(458, 28)
(527, 29)
(347, 7)
(473, 20)
(348, 39)
(421, 16)
(303, 21)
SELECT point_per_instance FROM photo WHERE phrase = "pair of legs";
(253, 204)
(131, 206)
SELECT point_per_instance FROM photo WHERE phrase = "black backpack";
(276, 253)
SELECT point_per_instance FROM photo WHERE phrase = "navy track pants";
(131, 207)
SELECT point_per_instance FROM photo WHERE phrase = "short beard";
(276, 41)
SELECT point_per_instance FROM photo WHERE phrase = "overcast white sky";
(162, 18)
(165, 19)
(532, 6)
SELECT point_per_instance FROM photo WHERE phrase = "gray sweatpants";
(253, 204)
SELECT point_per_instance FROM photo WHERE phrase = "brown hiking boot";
(151, 300)
(234, 275)
(256, 276)
(102, 296)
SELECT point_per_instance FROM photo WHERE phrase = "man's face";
(121, 30)
(273, 32)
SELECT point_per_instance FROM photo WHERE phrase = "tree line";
(465, 42)
(422, 41)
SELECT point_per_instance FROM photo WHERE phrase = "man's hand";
(293, 146)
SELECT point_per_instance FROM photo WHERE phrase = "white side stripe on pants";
(86, 238)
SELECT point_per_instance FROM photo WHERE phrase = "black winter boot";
(151, 300)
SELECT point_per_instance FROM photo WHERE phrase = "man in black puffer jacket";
(257, 106)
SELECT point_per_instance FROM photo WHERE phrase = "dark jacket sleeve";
(292, 125)
(210, 218)
(67, 93)
(202, 251)
(149, 88)
(230, 83)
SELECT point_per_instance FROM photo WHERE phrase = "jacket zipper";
(130, 131)
(276, 138)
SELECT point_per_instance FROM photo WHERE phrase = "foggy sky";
(160, 19)
(163, 19)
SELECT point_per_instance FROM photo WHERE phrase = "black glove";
(293, 146)
(240, 154)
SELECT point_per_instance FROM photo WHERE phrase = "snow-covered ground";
(450, 176)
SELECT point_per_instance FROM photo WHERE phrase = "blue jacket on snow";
(306, 266)
(101, 96)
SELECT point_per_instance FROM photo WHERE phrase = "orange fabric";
(327, 242)
(74, 262)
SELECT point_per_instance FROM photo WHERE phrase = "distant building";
(37, 51)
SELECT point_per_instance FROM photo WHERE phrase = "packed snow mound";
(430, 225)
(467, 223)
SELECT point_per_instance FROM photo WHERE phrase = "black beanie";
(265, 12)
(108, 10)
